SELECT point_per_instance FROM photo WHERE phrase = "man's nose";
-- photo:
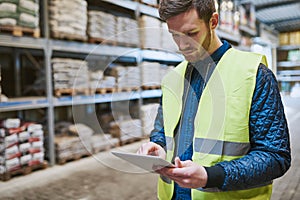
(183, 42)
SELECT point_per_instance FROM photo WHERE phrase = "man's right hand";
(151, 148)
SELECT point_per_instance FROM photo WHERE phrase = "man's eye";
(191, 34)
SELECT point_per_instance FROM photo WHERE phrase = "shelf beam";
(23, 104)
(95, 49)
(288, 64)
(22, 42)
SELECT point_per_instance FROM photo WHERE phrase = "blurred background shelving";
(59, 68)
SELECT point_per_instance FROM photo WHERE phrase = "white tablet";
(146, 162)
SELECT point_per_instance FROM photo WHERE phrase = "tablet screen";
(146, 162)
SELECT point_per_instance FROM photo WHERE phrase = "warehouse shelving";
(50, 47)
(288, 63)
(23, 104)
(288, 70)
(22, 42)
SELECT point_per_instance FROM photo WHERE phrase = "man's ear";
(214, 20)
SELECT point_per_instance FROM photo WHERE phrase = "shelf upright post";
(139, 59)
(45, 18)
(50, 113)
(49, 89)
(17, 72)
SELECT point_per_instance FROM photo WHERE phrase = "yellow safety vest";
(221, 123)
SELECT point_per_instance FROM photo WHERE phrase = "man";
(221, 119)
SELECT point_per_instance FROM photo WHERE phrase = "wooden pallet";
(72, 157)
(127, 89)
(66, 36)
(126, 44)
(150, 87)
(129, 140)
(103, 90)
(71, 92)
(23, 171)
(21, 31)
(102, 41)
(110, 42)
(112, 143)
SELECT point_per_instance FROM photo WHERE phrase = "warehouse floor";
(105, 177)
(85, 179)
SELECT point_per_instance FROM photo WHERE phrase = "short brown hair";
(171, 8)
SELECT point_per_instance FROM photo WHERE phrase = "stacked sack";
(126, 77)
(70, 73)
(148, 115)
(68, 19)
(95, 78)
(101, 25)
(20, 145)
(126, 130)
(24, 13)
(72, 141)
(29, 13)
(150, 32)
(151, 73)
(127, 31)
(108, 82)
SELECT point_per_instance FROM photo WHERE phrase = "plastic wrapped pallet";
(70, 73)
(101, 25)
(95, 78)
(126, 130)
(72, 141)
(127, 31)
(68, 19)
(127, 77)
(101, 142)
(150, 32)
(148, 115)
(150, 73)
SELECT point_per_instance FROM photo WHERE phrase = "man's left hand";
(186, 174)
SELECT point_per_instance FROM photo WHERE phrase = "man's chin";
(191, 58)
(195, 57)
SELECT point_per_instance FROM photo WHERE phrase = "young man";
(221, 120)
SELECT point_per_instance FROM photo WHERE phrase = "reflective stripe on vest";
(217, 147)
(222, 120)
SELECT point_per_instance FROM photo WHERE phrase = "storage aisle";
(72, 85)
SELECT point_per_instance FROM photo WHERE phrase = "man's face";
(191, 35)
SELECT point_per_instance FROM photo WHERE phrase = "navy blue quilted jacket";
(269, 156)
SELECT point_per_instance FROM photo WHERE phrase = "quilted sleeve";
(158, 134)
(269, 156)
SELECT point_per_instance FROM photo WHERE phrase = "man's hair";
(171, 8)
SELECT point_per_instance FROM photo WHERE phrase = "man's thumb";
(178, 162)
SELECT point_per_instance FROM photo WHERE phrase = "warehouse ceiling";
(282, 15)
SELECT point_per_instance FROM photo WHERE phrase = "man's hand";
(151, 148)
(186, 174)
